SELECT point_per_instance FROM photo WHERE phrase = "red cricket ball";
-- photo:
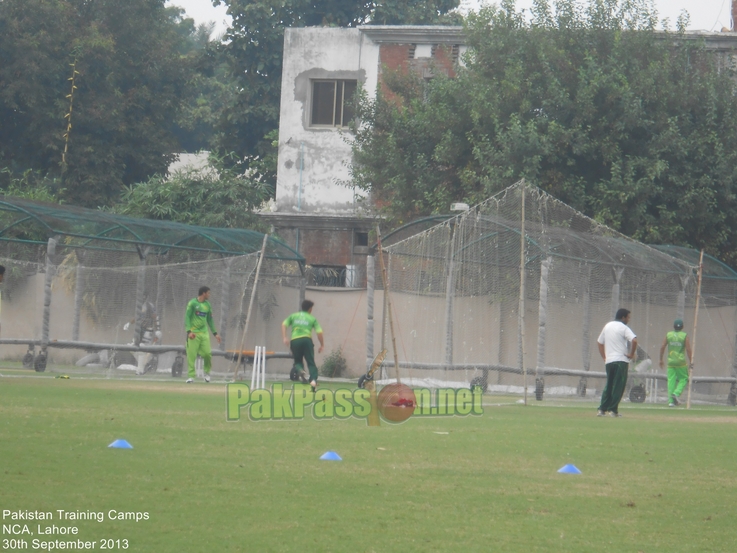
(397, 402)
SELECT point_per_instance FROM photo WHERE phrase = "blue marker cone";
(569, 469)
(121, 444)
(330, 456)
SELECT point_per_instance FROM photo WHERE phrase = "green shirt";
(302, 324)
(199, 316)
(676, 348)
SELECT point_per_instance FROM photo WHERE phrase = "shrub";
(335, 364)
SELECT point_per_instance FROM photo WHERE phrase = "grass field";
(655, 480)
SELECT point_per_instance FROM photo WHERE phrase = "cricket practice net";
(513, 293)
(84, 299)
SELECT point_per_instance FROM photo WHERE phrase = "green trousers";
(303, 348)
(199, 345)
(616, 380)
(677, 380)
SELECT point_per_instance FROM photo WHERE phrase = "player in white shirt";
(617, 346)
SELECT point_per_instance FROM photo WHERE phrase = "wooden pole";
(521, 309)
(385, 280)
(695, 325)
(250, 306)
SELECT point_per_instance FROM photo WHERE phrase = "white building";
(316, 211)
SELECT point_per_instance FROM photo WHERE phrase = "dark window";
(361, 239)
(326, 275)
(455, 53)
(332, 103)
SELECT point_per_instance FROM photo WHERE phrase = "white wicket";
(259, 368)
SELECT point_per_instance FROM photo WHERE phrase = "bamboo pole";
(250, 306)
(385, 280)
(695, 326)
(521, 309)
(68, 116)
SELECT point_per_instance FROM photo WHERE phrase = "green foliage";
(31, 185)
(209, 88)
(34, 186)
(217, 197)
(632, 127)
(252, 49)
(335, 364)
(132, 75)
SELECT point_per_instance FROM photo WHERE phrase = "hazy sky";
(709, 15)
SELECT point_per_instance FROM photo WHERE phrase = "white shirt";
(616, 338)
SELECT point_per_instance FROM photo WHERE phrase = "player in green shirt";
(301, 344)
(678, 348)
(197, 319)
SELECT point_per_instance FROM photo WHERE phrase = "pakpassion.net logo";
(395, 402)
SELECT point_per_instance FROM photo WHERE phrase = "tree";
(131, 75)
(215, 197)
(253, 50)
(209, 88)
(30, 186)
(628, 125)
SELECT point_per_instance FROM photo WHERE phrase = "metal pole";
(78, 294)
(695, 326)
(617, 274)
(160, 295)
(50, 272)
(585, 345)
(681, 302)
(302, 287)
(542, 314)
(140, 286)
(449, 290)
(370, 275)
(224, 303)
(541, 326)
(521, 306)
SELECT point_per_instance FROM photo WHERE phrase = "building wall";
(313, 161)
(484, 331)
(315, 211)
(324, 246)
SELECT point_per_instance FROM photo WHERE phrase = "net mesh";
(455, 293)
(93, 277)
(101, 297)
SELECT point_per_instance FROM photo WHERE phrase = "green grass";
(653, 480)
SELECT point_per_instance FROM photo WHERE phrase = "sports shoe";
(613, 414)
(674, 400)
(671, 404)
(189, 381)
(207, 378)
(313, 383)
(303, 376)
(600, 413)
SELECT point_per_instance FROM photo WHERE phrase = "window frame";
(339, 89)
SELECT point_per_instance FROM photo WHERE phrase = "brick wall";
(400, 57)
(327, 247)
